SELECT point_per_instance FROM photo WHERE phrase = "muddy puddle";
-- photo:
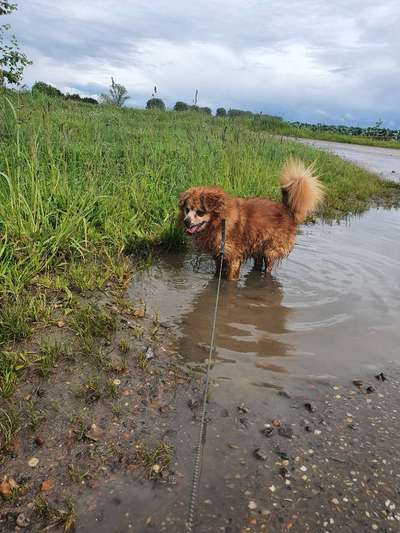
(329, 311)
(292, 443)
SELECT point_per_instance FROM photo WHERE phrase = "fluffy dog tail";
(302, 191)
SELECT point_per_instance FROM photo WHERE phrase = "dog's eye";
(200, 213)
(186, 210)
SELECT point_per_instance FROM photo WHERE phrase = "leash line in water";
(193, 504)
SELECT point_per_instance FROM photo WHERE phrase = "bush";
(44, 88)
(221, 112)
(234, 113)
(79, 98)
(181, 106)
(206, 110)
(155, 103)
(89, 100)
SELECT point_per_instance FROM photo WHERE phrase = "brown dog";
(255, 227)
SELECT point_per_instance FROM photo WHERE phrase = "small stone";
(5, 489)
(381, 377)
(303, 468)
(358, 383)
(370, 389)
(276, 423)
(374, 527)
(116, 382)
(149, 353)
(267, 432)
(39, 441)
(310, 407)
(156, 468)
(140, 312)
(252, 505)
(242, 408)
(22, 520)
(335, 501)
(260, 454)
(47, 485)
(94, 433)
(272, 488)
(283, 455)
(33, 462)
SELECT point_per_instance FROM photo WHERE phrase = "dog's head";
(200, 206)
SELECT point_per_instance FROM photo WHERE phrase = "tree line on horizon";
(118, 95)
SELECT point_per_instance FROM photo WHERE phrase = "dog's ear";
(214, 201)
(183, 198)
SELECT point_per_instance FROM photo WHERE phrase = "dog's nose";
(187, 222)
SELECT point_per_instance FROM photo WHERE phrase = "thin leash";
(203, 421)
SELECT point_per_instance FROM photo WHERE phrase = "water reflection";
(251, 320)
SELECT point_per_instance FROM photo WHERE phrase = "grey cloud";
(306, 60)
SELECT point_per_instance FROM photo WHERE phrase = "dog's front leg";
(233, 269)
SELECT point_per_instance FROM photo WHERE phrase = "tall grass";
(76, 179)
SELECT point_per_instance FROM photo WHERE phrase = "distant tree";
(155, 103)
(89, 100)
(72, 97)
(44, 88)
(181, 106)
(234, 113)
(12, 60)
(206, 110)
(117, 96)
(221, 112)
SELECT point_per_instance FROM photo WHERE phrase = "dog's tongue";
(194, 229)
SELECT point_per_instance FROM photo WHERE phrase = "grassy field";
(279, 127)
(81, 186)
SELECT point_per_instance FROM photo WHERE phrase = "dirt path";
(383, 161)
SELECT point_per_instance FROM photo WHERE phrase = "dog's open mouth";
(196, 228)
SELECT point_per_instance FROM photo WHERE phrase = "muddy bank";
(322, 459)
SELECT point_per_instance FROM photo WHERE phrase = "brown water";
(330, 310)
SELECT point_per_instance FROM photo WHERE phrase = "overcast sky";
(312, 60)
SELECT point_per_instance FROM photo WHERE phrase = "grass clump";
(9, 426)
(11, 363)
(154, 461)
(91, 322)
(49, 353)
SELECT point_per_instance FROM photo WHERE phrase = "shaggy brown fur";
(255, 227)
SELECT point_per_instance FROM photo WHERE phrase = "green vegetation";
(155, 103)
(117, 95)
(82, 185)
(12, 60)
(372, 136)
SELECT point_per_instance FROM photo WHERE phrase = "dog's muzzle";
(192, 229)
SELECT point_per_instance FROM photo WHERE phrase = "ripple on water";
(332, 306)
